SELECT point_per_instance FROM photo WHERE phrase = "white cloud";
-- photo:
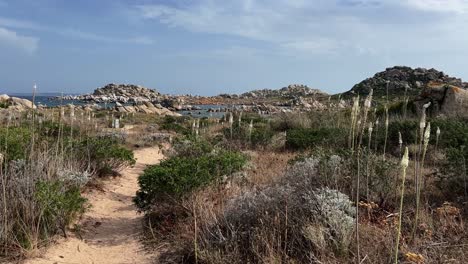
(453, 6)
(256, 20)
(322, 26)
(72, 33)
(322, 45)
(12, 39)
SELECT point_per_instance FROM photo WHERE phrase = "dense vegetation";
(45, 163)
(329, 186)
(337, 200)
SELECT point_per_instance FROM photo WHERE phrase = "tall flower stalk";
(250, 131)
(354, 121)
(367, 106)
(419, 184)
(231, 122)
(424, 134)
(404, 165)
(386, 131)
(370, 129)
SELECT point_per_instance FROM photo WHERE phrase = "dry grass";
(268, 166)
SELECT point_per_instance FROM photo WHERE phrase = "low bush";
(39, 199)
(453, 179)
(176, 124)
(191, 146)
(178, 176)
(454, 133)
(282, 223)
(15, 142)
(306, 138)
(104, 155)
(59, 204)
(261, 133)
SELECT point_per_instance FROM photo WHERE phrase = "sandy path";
(111, 228)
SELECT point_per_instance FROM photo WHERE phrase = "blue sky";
(216, 46)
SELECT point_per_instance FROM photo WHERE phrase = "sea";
(50, 101)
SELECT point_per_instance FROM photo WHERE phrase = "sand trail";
(111, 229)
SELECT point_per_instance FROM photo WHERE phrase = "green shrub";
(105, 155)
(454, 133)
(59, 203)
(306, 138)
(191, 146)
(15, 142)
(262, 133)
(53, 129)
(176, 124)
(5, 104)
(454, 178)
(178, 176)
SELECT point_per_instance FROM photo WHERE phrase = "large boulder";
(145, 107)
(455, 103)
(448, 100)
(16, 104)
(401, 79)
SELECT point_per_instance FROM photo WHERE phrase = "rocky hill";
(401, 79)
(122, 93)
(126, 90)
(291, 91)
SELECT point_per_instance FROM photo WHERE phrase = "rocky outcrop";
(291, 91)
(145, 107)
(447, 100)
(121, 93)
(400, 79)
(126, 90)
(15, 103)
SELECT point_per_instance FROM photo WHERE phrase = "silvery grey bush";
(335, 212)
(75, 178)
(317, 217)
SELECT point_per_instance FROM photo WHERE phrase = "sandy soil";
(110, 230)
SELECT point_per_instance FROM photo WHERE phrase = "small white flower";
(427, 134)
(405, 159)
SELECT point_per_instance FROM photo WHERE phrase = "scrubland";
(377, 183)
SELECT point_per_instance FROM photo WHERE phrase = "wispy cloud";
(451, 6)
(72, 33)
(321, 45)
(12, 39)
(317, 26)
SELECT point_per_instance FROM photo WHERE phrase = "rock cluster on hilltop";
(121, 93)
(291, 91)
(126, 90)
(15, 103)
(129, 98)
(401, 79)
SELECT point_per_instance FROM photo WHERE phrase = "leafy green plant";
(15, 142)
(307, 138)
(178, 176)
(191, 146)
(105, 155)
(175, 124)
(59, 203)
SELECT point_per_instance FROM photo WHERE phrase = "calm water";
(46, 100)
